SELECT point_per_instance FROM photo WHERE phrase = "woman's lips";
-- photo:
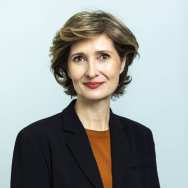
(93, 85)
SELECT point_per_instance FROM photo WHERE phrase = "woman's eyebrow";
(97, 52)
(103, 51)
(77, 53)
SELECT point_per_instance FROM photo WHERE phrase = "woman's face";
(94, 60)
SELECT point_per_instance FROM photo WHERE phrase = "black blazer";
(55, 153)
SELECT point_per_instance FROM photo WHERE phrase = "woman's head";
(89, 30)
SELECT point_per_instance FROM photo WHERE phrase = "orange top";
(100, 144)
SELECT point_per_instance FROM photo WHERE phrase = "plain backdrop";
(157, 96)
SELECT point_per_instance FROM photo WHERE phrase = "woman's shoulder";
(133, 125)
(38, 137)
(136, 131)
(42, 127)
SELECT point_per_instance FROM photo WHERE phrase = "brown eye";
(104, 57)
(79, 59)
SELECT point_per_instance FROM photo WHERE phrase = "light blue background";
(157, 96)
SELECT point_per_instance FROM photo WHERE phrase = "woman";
(87, 145)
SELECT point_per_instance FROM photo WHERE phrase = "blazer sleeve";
(155, 178)
(29, 169)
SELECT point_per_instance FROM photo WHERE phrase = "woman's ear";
(123, 63)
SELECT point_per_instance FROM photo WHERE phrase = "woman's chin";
(95, 96)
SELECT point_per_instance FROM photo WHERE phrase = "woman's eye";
(78, 59)
(104, 57)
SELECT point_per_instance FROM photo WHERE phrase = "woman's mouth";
(93, 85)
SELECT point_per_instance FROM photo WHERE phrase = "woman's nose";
(91, 69)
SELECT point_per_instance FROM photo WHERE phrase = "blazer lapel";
(120, 152)
(78, 143)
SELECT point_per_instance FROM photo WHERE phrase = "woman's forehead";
(97, 43)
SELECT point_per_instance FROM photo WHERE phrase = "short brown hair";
(86, 24)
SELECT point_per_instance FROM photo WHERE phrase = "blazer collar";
(77, 141)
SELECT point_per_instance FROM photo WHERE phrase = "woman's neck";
(94, 114)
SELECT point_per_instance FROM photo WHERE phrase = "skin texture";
(94, 60)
